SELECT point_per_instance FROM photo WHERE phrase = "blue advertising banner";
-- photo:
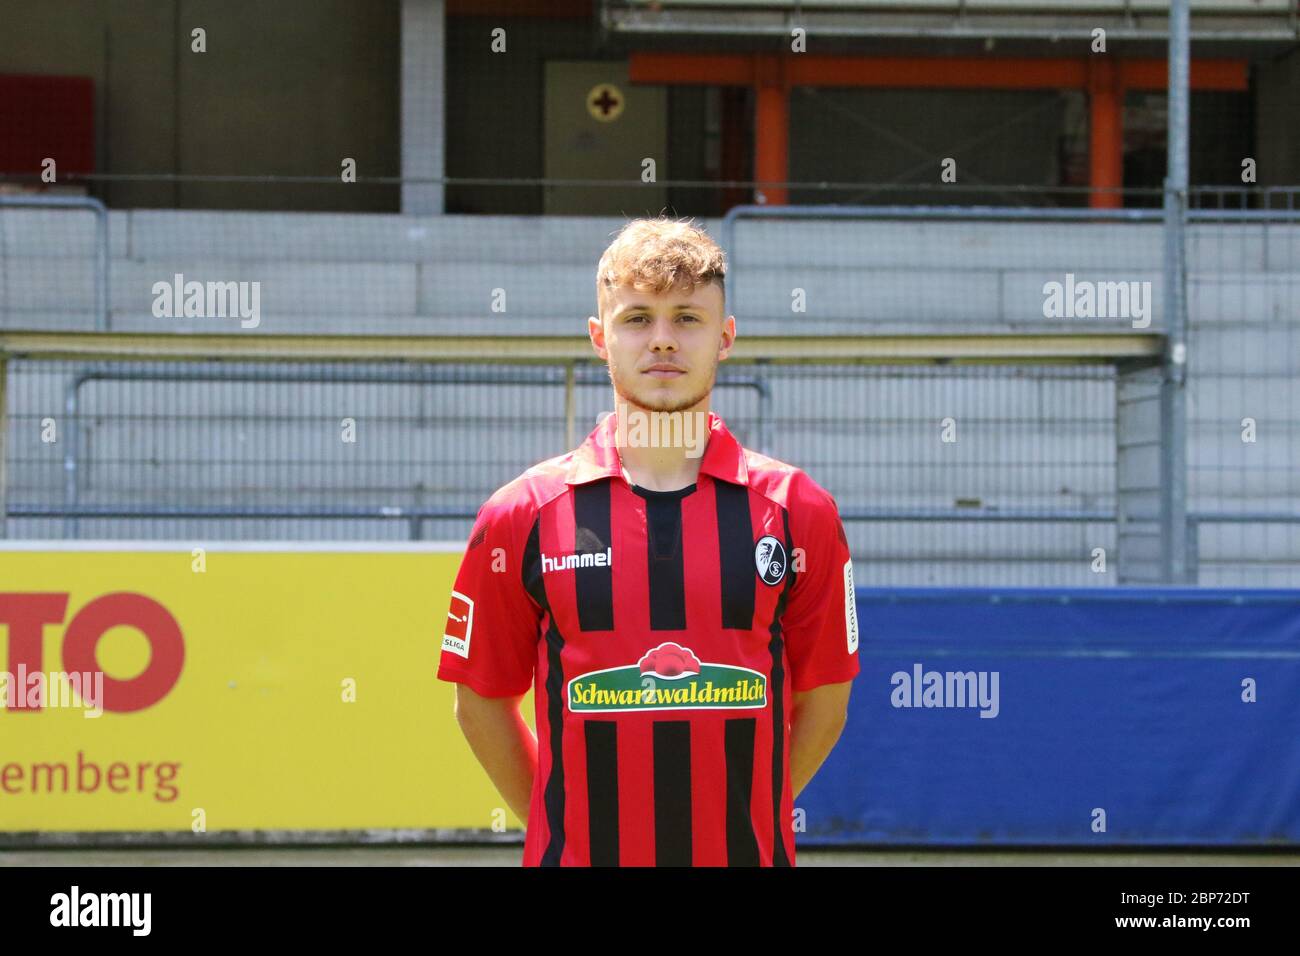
(1118, 716)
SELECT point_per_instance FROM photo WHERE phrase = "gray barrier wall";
(1037, 439)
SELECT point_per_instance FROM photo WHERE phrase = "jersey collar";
(597, 457)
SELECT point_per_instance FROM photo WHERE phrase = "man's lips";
(665, 371)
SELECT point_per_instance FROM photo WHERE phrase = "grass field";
(510, 856)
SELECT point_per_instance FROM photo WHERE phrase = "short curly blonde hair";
(656, 255)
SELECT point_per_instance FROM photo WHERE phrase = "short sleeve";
(490, 639)
(820, 622)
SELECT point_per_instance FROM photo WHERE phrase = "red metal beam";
(772, 128)
(1229, 75)
(938, 72)
(736, 69)
(1106, 129)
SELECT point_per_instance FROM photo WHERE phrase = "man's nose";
(663, 336)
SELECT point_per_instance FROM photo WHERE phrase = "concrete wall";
(351, 273)
(1038, 438)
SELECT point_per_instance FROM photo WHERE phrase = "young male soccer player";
(688, 617)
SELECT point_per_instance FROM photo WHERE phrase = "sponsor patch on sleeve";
(850, 607)
(460, 621)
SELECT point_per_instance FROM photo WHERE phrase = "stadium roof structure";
(1251, 20)
(772, 75)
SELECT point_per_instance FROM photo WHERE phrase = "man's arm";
(502, 742)
(818, 718)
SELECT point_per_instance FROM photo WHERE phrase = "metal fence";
(1243, 392)
(1009, 489)
(962, 459)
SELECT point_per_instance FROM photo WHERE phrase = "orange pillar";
(771, 128)
(1106, 133)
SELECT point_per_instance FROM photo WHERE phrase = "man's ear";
(728, 337)
(596, 332)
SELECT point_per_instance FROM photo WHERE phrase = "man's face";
(663, 350)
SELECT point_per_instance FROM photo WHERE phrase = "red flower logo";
(669, 660)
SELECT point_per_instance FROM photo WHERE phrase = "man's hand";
(817, 720)
(502, 742)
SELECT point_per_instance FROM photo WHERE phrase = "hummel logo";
(598, 559)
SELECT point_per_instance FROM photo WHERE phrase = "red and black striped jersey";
(663, 634)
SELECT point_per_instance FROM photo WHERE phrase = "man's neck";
(661, 451)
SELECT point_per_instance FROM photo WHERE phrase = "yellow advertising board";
(270, 687)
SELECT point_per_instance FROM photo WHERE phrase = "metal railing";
(102, 302)
(569, 376)
(148, 441)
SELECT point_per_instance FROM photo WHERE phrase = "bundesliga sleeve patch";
(460, 621)
(850, 607)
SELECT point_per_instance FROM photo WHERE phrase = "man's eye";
(635, 318)
(691, 318)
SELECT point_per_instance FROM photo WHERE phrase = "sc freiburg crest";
(769, 559)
